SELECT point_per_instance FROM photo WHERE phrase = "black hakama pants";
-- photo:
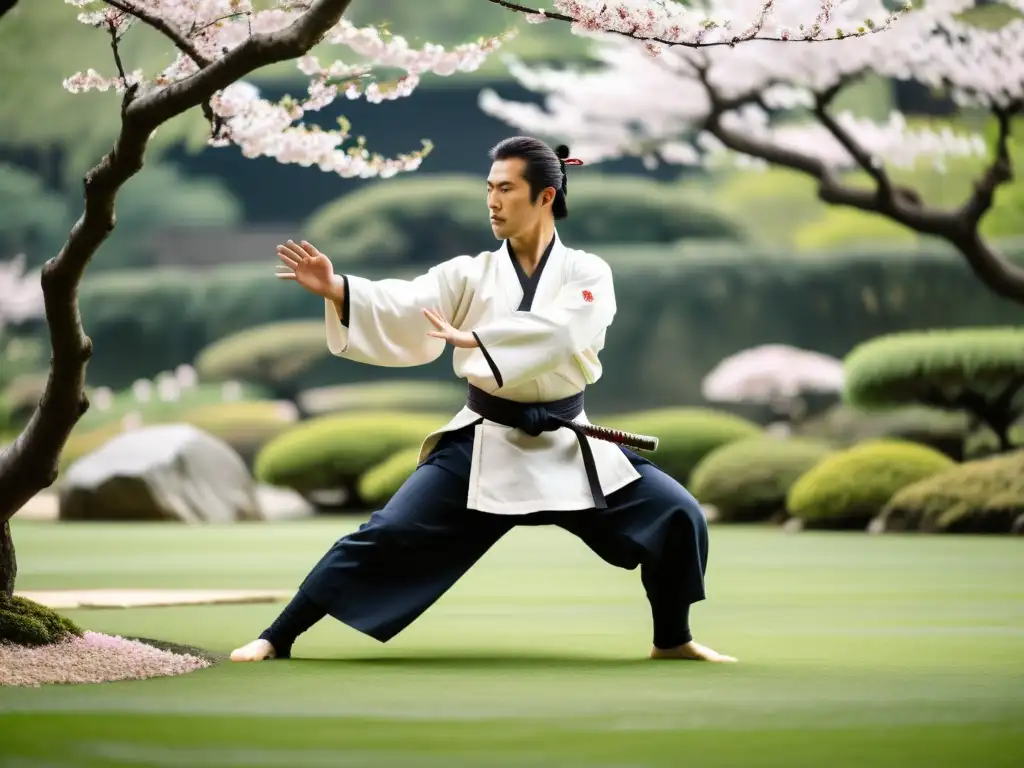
(383, 576)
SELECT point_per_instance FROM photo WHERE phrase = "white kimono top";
(540, 338)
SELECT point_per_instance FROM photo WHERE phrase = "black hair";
(545, 167)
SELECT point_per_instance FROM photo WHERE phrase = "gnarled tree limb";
(30, 464)
(959, 227)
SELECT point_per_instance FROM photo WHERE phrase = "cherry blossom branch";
(30, 464)
(1002, 276)
(180, 41)
(684, 27)
(872, 166)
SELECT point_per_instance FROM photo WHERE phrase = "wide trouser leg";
(383, 576)
(656, 524)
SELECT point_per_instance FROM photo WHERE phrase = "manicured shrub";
(331, 452)
(271, 355)
(748, 480)
(379, 483)
(24, 622)
(850, 487)
(983, 496)
(686, 435)
(979, 371)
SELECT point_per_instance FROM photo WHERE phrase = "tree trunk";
(30, 464)
(8, 561)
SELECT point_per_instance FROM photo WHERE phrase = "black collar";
(529, 282)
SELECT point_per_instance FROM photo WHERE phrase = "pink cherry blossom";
(603, 113)
(208, 29)
(257, 126)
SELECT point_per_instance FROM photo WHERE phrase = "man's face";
(508, 199)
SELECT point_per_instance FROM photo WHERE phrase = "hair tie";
(572, 161)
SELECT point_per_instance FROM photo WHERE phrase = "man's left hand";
(455, 337)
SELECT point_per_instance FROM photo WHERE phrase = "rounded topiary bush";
(24, 622)
(271, 353)
(379, 483)
(748, 480)
(686, 435)
(850, 487)
(334, 451)
(983, 496)
(975, 370)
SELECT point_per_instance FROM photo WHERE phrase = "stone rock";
(1018, 526)
(282, 504)
(172, 472)
(793, 525)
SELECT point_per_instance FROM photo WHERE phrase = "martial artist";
(527, 322)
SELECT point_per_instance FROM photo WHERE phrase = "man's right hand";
(309, 268)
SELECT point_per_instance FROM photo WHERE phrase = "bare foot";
(257, 650)
(690, 651)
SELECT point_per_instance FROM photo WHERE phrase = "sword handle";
(629, 439)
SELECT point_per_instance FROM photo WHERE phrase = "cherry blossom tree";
(220, 43)
(765, 103)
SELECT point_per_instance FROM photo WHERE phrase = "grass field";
(902, 651)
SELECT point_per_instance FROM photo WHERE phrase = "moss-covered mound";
(748, 480)
(24, 622)
(849, 488)
(984, 496)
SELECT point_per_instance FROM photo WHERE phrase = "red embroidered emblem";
(588, 296)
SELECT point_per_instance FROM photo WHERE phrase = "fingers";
(434, 318)
(310, 250)
(290, 257)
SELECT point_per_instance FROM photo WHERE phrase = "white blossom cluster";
(658, 107)
(260, 127)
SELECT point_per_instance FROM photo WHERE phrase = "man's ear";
(548, 195)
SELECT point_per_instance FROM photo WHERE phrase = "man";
(527, 322)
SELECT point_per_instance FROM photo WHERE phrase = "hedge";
(418, 219)
(386, 395)
(983, 496)
(686, 435)
(379, 483)
(699, 303)
(331, 452)
(24, 622)
(245, 426)
(748, 480)
(850, 487)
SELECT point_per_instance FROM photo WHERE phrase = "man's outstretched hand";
(455, 337)
(304, 264)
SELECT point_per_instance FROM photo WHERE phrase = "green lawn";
(905, 651)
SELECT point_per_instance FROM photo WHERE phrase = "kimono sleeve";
(525, 345)
(381, 322)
